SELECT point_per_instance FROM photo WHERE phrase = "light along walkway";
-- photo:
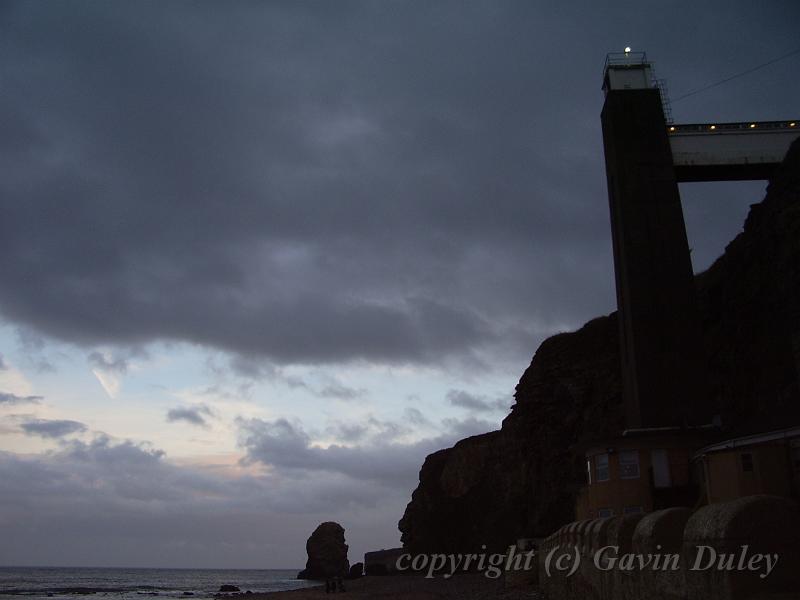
(730, 151)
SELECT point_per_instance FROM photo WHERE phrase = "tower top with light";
(627, 70)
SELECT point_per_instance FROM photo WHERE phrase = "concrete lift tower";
(663, 361)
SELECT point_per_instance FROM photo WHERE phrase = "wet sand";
(408, 587)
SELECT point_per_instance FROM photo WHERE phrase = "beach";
(409, 587)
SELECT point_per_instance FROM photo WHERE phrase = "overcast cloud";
(52, 428)
(381, 459)
(475, 403)
(194, 415)
(380, 181)
(120, 497)
(9, 399)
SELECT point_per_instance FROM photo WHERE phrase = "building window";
(589, 471)
(747, 462)
(632, 510)
(604, 513)
(601, 464)
(629, 464)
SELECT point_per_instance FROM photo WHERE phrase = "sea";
(60, 583)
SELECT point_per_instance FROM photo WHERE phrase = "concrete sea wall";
(745, 549)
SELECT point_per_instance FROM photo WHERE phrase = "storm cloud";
(409, 183)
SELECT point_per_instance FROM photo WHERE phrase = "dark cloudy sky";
(259, 258)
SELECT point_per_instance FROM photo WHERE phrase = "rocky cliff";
(521, 481)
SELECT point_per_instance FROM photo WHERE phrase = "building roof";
(750, 440)
(651, 437)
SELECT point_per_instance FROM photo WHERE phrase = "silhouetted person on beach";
(339, 584)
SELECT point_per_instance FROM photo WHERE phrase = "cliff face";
(750, 303)
(521, 481)
(492, 488)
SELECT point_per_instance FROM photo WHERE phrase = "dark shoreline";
(410, 587)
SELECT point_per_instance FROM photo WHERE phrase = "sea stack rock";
(356, 571)
(327, 553)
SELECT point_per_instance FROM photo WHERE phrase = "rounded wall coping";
(588, 536)
(620, 531)
(600, 532)
(662, 527)
(570, 533)
(580, 533)
(752, 517)
(582, 525)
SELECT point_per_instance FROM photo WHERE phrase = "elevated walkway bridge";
(706, 151)
(730, 151)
